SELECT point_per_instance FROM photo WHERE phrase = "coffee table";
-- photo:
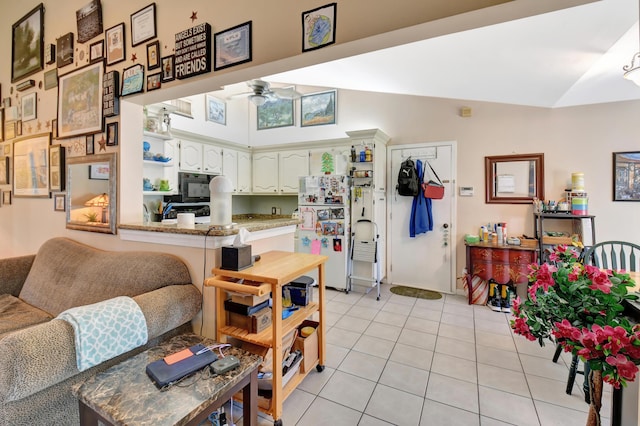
(124, 394)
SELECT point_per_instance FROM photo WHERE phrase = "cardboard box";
(308, 345)
(252, 323)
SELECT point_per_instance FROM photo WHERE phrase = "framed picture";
(99, 171)
(132, 80)
(318, 109)
(96, 51)
(9, 130)
(1, 124)
(232, 46)
(6, 102)
(59, 202)
(80, 101)
(626, 176)
(27, 44)
(216, 110)
(54, 128)
(51, 79)
(89, 21)
(6, 198)
(90, 145)
(4, 170)
(153, 81)
(112, 134)
(168, 65)
(19, 128)
(115, 49)
(56, 168)
(319, 27)
(64, 50)
(49, 53)
(275, 113)
(143, 25)
(29, 107)
(153, 55)
(31, 166)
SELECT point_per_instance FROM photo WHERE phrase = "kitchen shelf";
(159, 193)
(538, 229)
(157, 135)
(158, 163)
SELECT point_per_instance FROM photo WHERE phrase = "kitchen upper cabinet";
(244, 172)
(279, 172)
(200, 158)
(211, 159)
(265, 172)
(236, 165)
(293, 164)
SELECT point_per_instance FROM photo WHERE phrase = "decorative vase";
(595, 391)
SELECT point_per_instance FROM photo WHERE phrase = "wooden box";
(556, 240)
(249, 299)
(252, 323)
(308, 345)
(528, 242)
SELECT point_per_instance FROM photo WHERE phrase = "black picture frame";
(56, 168)
(153, 55)
(143, 25)
(27, 57)
(319, 27)
(132, 80)
(90, 145)
(318, 109)
(154, 81)
(232, 46)
(96, 51)
(168, 68)
(112, 134)
(626, 176)
(64, 50)
(89, 21)
(115, 44)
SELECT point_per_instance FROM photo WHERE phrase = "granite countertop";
(251, 222)
(124, 394)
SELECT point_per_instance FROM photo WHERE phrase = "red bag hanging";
(433, 189)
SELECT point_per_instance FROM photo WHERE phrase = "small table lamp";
(102, 201)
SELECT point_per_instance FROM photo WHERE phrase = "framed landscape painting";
(27, 44)
(626, 176)
(80, 101)
(31, 166)
(318, 109)
(275, 113)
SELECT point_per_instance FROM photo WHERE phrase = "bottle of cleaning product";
(353, 154)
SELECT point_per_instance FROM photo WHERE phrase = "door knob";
(445, 226)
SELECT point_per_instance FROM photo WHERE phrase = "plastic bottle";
(353, 154)
(368, 157)
(362, 156)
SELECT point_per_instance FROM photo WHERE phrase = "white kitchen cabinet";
(200, 158)
(279, 172)
(230, 166)
(265, 172)
(244, 172)
(293, 164)
(236, 165)
(211, 159)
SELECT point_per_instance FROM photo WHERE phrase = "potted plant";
(581, 307)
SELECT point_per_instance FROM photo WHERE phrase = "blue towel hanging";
(421, 217)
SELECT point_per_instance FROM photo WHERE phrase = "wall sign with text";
(193, 51)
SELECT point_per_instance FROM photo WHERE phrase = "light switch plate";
(466, 191)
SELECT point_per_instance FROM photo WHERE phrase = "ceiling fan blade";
(286, 92)
(239, 95)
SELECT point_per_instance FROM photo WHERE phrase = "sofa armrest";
(13, 273)
(35, 358)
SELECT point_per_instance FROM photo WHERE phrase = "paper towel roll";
(186, 220)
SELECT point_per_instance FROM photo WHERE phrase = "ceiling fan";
(262, 92)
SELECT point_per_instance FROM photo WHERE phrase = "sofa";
(38, 367)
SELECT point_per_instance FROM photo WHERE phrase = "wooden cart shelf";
(268, 275)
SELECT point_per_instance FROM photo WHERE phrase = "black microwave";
(192, 188)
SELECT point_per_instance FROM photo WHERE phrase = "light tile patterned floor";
(408, 361)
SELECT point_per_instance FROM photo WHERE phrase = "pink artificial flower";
(515, 306)
(575, 273)
(520, 327)
(626, 368)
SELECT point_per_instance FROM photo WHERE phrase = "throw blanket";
(106, 329)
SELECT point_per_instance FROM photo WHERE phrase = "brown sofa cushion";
(66, 274)
(16, 314)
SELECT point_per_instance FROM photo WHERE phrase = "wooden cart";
(268, 275)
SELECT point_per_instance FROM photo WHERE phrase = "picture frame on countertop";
(7, 198)
(232, 46)
(319, 27)
(30, 106)
(115, 48)
(80, 101)
(216, 110)
(64, 50)
(51, 79)
(4, 170)
(132, 80)
(89, 21)
(56, 168)
(626, 168)
(59, 202)
(318, 109)
(153, 55)
(31, 166)
(96, 51)
(153, 81)
(112, 134)
(27, 53)
(143, 25)
(168, 67)
(90, 145)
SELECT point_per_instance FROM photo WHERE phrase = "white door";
(428, 260)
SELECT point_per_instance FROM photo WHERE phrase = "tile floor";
(408, 361)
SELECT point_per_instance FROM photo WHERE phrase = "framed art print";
(80, 101)
(89, 21)
(275, 113)
(112, 134)
(64, 50)
(168, 65)
(59, 202)
(56, 168)
(319, 27)
(31, 166)
(29, 107)
(143, 25)
(51, 79)
(27, 53)
(232, 46)
(115, 47)
(153, 55)
(90, 145)
(4, 170)
(132, 80)
(153, 81)
(6, 198)
(626, 172)
(216, 110)
(96, 51)
(318, 109)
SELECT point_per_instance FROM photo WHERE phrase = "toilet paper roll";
(186, 220)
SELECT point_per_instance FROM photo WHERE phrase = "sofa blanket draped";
(106, 329)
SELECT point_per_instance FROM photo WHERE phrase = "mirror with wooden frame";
(514, 179)
(92, 193)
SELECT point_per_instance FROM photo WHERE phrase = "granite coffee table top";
(124, 394)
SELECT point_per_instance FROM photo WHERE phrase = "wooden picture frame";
(216, 110)
(29, 107)
(143, 25)
(59, 202)
(232, 46)
(318, 109)
(132, 80)
(319, 27)
(80, 101)
(54, 128)
(96, 51)
(275, 113)
(56, 168)
(626, 166)
(27, 53)
(31, 166)
(89, 21)
(153, 55)
(64, 50)
(112, 134)
(7, 198)
(153, 81)
(1, 124)
(90, 145)
(168, 68)
(99, 171)
(5, 167)
(115, 47)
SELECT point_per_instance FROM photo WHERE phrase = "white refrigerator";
(323, 207)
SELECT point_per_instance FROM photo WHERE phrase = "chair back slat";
(615, 255)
